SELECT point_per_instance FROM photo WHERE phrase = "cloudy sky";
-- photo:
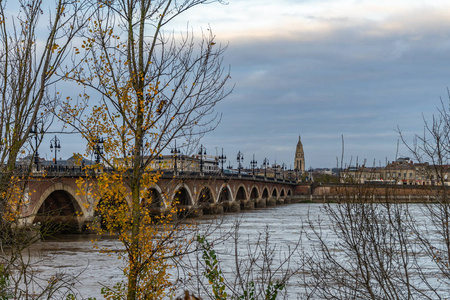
(326, 68)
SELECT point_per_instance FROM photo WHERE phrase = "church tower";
(299, 157)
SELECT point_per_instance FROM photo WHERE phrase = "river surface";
(76, 256)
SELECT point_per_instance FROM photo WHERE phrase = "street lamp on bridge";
(230, 167)
(283, 167)
(253, 164)
(36, 153)
(175, 151)
(201, 152)
(55, 145)
(265, 164)
(274, 166)
(240, 159)
(98, 149)
(223, 159)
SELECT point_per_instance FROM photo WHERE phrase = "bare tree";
(366, 251)
(255, 268)
(29, 58)
(370, 246)
(152, 86)
(30, 54)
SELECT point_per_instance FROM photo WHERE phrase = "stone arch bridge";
(55, 198)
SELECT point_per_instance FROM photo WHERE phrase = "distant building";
(299, 163)
(184, 163)
(324, 171)
(403, 171)
(74, 162)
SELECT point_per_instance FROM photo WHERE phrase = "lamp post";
(265, 164)
(223, 159)
(98, 149)
(159, 160)
(201, 152)
(36, 153)
(253, 163)
(55, 145)
(283, 167)
(240, 159)
(275, 170)
(175, 151)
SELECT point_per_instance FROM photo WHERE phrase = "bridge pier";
(164, 213)
(188, 211)
(25, 233)
(157, 211)
(63, 223)
(248, 204)
(195, 212)
(231, 206)
(272, 201)
(212, 209)
(295, 199)
(261, 203)
(280, 201)
(287, 200)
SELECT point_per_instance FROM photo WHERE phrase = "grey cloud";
(359, 81)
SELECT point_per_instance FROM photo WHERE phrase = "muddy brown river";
(75, 255)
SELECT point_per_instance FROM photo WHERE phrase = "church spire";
(299, 162)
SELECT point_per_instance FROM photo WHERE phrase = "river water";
(74, 256)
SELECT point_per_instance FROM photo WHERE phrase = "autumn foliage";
(143, 89)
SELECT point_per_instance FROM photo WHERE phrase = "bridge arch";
(282, 193)
(225, 194)
(111, 210)
(183, 201)
(62, 202)
(182, 195)
(155, 194)
(289, 192)
(127, 199)
(265, 193)
(254, 193)
(241, 194)
(275, 193)
(205, 196)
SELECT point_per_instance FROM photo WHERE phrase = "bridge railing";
(221, 175)
(74, 171)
